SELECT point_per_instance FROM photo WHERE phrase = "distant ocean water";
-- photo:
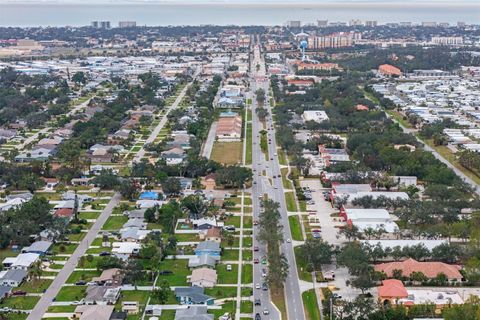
(227, 14)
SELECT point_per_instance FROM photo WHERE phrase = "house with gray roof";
(193, 313)
(4, 292)
(208, 248)
(13, 277)
(39, 247)
(193, 295)
(204, 260)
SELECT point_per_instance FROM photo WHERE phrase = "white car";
(257, 286)
(288, 240)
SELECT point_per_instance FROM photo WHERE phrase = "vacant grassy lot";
(227, 152)
(310, 304)
(20, 303)
(247, 273)
(72, 293)
(248, 155)
(180, 270)
(82, 275)
(290, 199)
(227, 277)
(295, 228)
(35, 286)
(115, 223)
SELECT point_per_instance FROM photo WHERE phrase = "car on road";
(255, 222)
(255, 248)
(264, 272)
(265, 311)
(258, 302)
(275, 154)
(264, 286)
(288, 240)
(257, 286)
(258, 317)
(255, 260)
(264, 260)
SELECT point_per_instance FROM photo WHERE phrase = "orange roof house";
(429, 269)
(389, 70)
(361, 107)
(391, 289)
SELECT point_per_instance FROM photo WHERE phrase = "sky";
(240, 1)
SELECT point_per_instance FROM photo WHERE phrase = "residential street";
(52, 291)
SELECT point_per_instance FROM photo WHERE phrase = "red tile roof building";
(392, 289)
(429, 269)
(317, 66)
(389, 70)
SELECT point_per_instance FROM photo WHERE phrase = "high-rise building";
(371, 23)
(127, 24)
(335, 40)
(105, 24)
(100, 24)
(444, 24)
(322, 23)
(429, 24)
(294, 24)
(406, 24)
(447, 40)
(461, 24)
(355, 22)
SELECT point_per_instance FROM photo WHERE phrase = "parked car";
(257, 286)
(255, 248)
(104, 254)
(255, 260)
(258, 302)
(229, 267)
(264, 286)
(165, 272)
(258, 317)
(265, 311)
(81, 283)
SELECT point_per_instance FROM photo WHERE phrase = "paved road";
(52, 291)
(141, 153)
(208, 146)
(45, 131)
(273, 186)
(459, 173)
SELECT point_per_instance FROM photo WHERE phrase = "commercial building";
(294, 24)
(101, 24)
(322, 23)
(127, 24)
(314, 115)
(334, 40)
(371, 23)
(389, 70)
(229, 127)
(447, 40)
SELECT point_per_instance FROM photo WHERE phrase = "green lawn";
(227, 277)
(286, 183)
(221, 292)
(247, 222)
(247, 255)
(295, 228)
(88, 215)
(228, 306)
(64, 248)
(76, 236)
(233, 220)
(71, 293)
(246, 306)
(187, 237)
(167, 315)
(290, 199)
(247, 273)
(133, 295)
(248, 151)
(230, 255)
(61, 309)
(21, 303)
(82, 275)
(37, 286)
(115, 223)
(282, 157)
(180, 270)
(310, 304)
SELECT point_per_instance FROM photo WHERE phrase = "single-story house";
(203, 261)
(204, 277)
(193, 313)
(110, 277)
(124, 250)
(193, 295)
(12, 277)
(101, 295)
(39, 247)
(208, 248)
(214, 234)
(97, 312)
(22, 261)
